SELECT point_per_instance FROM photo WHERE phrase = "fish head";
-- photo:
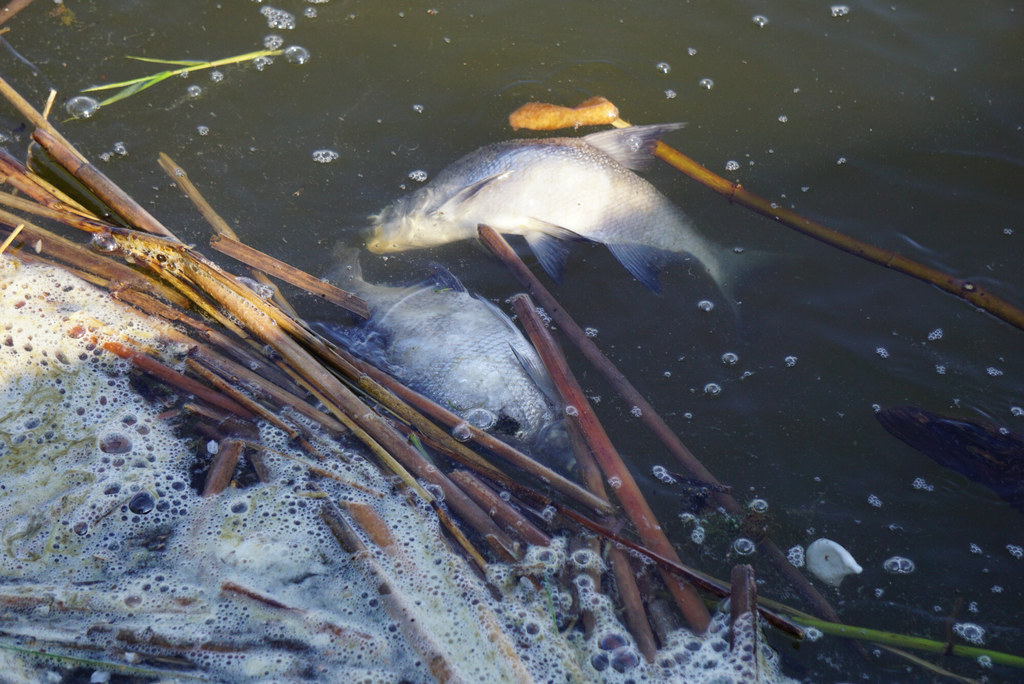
(407, 223)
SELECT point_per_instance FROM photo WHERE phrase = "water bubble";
(82, 106)
(743, 546)
(663, 67)
(970, 632)
(141, 503)
(462, 432)
(120, 149)
(547, 513)
(697, 535)
(874, 501)
(1015, 551)
(712, 389)
(115, 443)
(203, 130)
(795, 556)
(790, 361)
(296, 54)
(1017, 411)
(662, 474)
(324, 156)
(1007, 231)
(636, 412)
(419, 175)
(273, 42)
(615, 482)
(760, 20)
(590, 332)
(194, 91)
(940, 369)
(841, 160)
(706, 83)
(730, 359)
(975, 549)
(985, 661)
(898, 565)
(996, 589)
(310, 13)
(732, 165)
(277, 18)
(216, 76)
(705, 305)
(418, 108)
(993, 371)
(882, 352)
(920, 483)
(481, 418)
(813, 633)
(935, 334)
(691, 51)
(840, 10)
(758, 506)
(212, 447)
(783, 118)
(670, 94)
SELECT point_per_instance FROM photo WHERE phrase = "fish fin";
(632, 147)
(550, 245)
(466, 193)
(643, 262)
(445, 279)
(537, 372)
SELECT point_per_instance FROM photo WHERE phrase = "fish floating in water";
(461, 351)
(982, 452)
(551, 191)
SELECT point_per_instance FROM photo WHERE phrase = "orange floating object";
(542, 116)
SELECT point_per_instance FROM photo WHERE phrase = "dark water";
(898, 123)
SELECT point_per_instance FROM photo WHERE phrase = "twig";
(12, 8)
(176, 379)
(626, 488)
(106, 190)
(222, 469)
(267, 264)
(501, 510)
(10, 238)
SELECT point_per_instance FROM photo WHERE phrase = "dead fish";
(981, 452)
(458, 349)
(552, 191)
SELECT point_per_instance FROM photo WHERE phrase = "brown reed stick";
(648, 415)
(626, 489)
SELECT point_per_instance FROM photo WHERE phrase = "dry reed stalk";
(266, 264)
(172, 377)
(650, 417)
(105, 189)
(625, 580)
(256, 408)
(222, 468)
(742, 594)
(501, 510)
(961, 287)
(12, 8)
(626, 489)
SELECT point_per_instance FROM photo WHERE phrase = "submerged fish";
(982, 452)
(551, 191)
(461, 351)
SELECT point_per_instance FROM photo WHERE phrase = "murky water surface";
(899, 123)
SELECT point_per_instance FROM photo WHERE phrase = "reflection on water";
(900, 124)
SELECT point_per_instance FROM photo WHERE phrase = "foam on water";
(106, 545)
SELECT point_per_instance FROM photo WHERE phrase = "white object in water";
(830, 562)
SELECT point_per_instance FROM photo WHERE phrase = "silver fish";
(551, 191)
(461, 351)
